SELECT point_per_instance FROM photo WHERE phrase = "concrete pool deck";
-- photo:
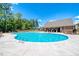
(9, 46)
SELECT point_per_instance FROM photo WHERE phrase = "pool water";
(40, 37)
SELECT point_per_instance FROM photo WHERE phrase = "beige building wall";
(68, 29)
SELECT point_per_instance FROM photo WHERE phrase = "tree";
(18, 18)
(12, 22)
(5, 10)
(34, 23)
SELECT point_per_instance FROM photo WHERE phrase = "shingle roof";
(59, 23)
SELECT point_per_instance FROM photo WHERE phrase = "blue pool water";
(40, 37)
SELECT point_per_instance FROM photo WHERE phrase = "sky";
(47, 11)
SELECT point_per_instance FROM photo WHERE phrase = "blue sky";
(47, 11)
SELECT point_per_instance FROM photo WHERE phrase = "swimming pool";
(40, 37)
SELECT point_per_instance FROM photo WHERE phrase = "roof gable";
(59, 23)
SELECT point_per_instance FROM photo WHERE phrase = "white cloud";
(40, 25)
(76, 21)
(14, 4)
(76, 17)
(39, 20)
(11, 8)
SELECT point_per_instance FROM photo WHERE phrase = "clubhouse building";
(64, 26)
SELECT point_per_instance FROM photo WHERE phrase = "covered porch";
(64, 29)
(58, 29)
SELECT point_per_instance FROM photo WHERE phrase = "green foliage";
(13, 22)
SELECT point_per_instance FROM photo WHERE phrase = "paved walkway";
(12, 47)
